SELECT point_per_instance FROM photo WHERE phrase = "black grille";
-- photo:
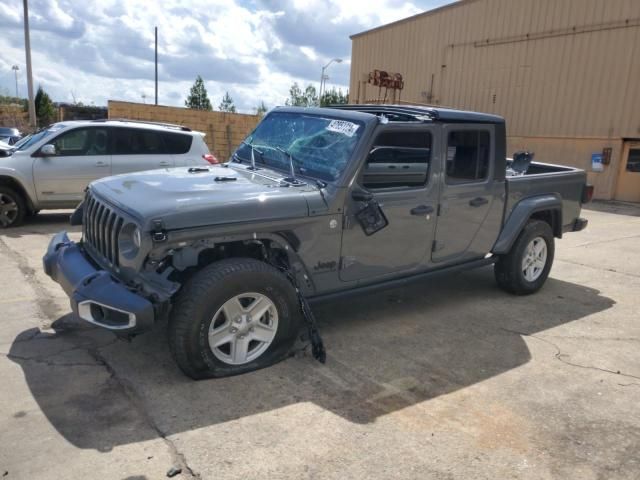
(101, 227)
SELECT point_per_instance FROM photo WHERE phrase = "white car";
(51, 168)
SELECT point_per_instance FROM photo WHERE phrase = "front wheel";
(232, 317)
(527, 265)
(12, 208)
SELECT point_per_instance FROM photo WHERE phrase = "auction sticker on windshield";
(340, 126)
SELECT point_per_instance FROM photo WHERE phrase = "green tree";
(299, 98)
(45, 111)
(198, 98)
(261, 109)
(226, 105)
(334, 97)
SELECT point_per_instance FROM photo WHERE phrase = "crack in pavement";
(134, 399)
(45, 304)
(562, 356)
(613, 270)
(49, 311)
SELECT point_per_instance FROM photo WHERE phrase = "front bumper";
(95, 295)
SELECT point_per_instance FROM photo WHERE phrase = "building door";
(628, 189)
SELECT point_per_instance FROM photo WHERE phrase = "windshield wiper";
(253, 157)
(292, 171)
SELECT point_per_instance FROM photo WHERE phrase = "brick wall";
(224, 131)
(14, 116)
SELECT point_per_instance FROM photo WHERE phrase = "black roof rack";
(160, 124)
(416, 113)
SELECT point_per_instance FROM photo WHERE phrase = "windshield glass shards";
(319, 147)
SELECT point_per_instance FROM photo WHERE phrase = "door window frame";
(404, 127)
(53, 139)
(458, 127)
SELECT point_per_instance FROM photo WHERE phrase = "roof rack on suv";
(395, 113)
(161, 124)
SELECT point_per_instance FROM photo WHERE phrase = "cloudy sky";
(95, 50)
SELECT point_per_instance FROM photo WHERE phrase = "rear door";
(82, 156)
(137, 149)
(398, 174)
(467, 194)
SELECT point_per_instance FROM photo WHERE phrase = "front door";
(628, 189)
(399, 175)
(467, 193)
(81, 157)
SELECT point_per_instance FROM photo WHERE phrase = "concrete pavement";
(445, 379)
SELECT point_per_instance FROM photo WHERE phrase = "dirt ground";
(449, 379)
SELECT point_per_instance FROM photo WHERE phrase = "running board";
(398, 282)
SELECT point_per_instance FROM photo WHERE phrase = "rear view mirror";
(48, 150)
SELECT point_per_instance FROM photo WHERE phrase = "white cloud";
(255, 49)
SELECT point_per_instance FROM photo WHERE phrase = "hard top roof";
(414, 113)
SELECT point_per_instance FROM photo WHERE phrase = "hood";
(185, 199)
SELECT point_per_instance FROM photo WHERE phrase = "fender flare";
(521, 214)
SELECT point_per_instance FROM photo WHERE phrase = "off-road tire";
(508, 270)
(18, 199)
(202, 296)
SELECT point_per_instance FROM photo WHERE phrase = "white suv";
(51, 168)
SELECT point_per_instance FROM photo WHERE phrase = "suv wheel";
(526, 267)
(12, 208)
(232, 317)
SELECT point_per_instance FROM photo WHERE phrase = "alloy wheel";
(243, 328)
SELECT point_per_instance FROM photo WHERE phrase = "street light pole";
(15, 68)
(156, 66)
(323, 77)
(27, 47)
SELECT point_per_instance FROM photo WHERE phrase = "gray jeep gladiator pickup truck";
(316, 203)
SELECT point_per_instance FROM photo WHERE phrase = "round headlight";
(130, 240)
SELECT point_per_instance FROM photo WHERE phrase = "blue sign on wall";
(596, 162)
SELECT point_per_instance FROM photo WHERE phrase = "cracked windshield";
(320, 147)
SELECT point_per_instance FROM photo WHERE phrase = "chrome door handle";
(165, 164)
(100, 163)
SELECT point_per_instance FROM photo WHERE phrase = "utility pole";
(15, 68)
(27, 47)
(156, 65)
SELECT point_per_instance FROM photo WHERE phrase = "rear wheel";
(526, 267)
(232, 317)
(12, 208)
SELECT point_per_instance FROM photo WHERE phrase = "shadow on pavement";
(44, 223)
(386, 352)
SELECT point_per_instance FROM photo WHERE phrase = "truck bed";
(545, 179)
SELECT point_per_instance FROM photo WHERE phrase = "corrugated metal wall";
(553, 68)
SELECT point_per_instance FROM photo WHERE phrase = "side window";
(398, 159)
(177, 143)
(132, 141)
(82, 141)
(468, 156)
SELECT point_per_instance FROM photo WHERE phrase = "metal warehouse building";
(564, 73)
